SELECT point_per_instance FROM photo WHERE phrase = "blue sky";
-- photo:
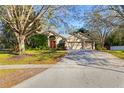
(76, 11)
(71, 19)
(74, 18)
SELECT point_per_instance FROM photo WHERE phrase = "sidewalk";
(25, 66)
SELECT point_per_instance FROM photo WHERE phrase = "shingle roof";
(46, 32)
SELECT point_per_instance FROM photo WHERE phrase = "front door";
(52, 44)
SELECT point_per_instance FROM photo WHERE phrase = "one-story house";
(73, 41)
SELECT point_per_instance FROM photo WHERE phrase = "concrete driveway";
(80, 69)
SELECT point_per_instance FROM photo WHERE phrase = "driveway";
(78, 69)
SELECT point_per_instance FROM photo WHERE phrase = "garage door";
(74, 45)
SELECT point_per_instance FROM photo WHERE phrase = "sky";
(76, 11)
(80, 10)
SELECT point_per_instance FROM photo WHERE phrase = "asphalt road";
(80, 69)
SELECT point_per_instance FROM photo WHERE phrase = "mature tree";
(83, 30)
(99, 27)
(22, 19)
(116, 38)
(25, 21)
(101, 22)
(115, 14)
(8, 37)
(118, 11)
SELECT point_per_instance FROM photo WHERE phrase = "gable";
(77, 37)
(55, 34)
(73, 39)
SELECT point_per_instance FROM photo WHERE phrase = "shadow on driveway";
(88, 58)
(103, 68)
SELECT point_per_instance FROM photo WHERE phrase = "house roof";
(55, 33)
(65, 37)
(82, 36)
(82, 32)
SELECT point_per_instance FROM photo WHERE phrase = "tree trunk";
(83, 44)
(102, 44)
(21, 44)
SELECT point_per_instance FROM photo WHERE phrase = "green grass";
(31, 57)
(117, 53)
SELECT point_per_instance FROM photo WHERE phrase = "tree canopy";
(26, 21)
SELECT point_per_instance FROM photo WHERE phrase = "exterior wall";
(117, 48)
(58, 39)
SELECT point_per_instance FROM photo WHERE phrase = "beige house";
(73, 41)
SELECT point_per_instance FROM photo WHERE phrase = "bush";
(98, 47)
(61, 45)
(38, 42)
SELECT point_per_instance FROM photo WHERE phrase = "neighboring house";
(73, 41)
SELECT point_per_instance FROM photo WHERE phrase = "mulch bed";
(14, 78)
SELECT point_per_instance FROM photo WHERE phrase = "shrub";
(98, 47)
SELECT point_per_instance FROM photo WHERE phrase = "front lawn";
(6, 72)
(31, 57)
(118, 53)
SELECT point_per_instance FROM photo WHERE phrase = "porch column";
(83, 44)
(93, 45)
(48, 42)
